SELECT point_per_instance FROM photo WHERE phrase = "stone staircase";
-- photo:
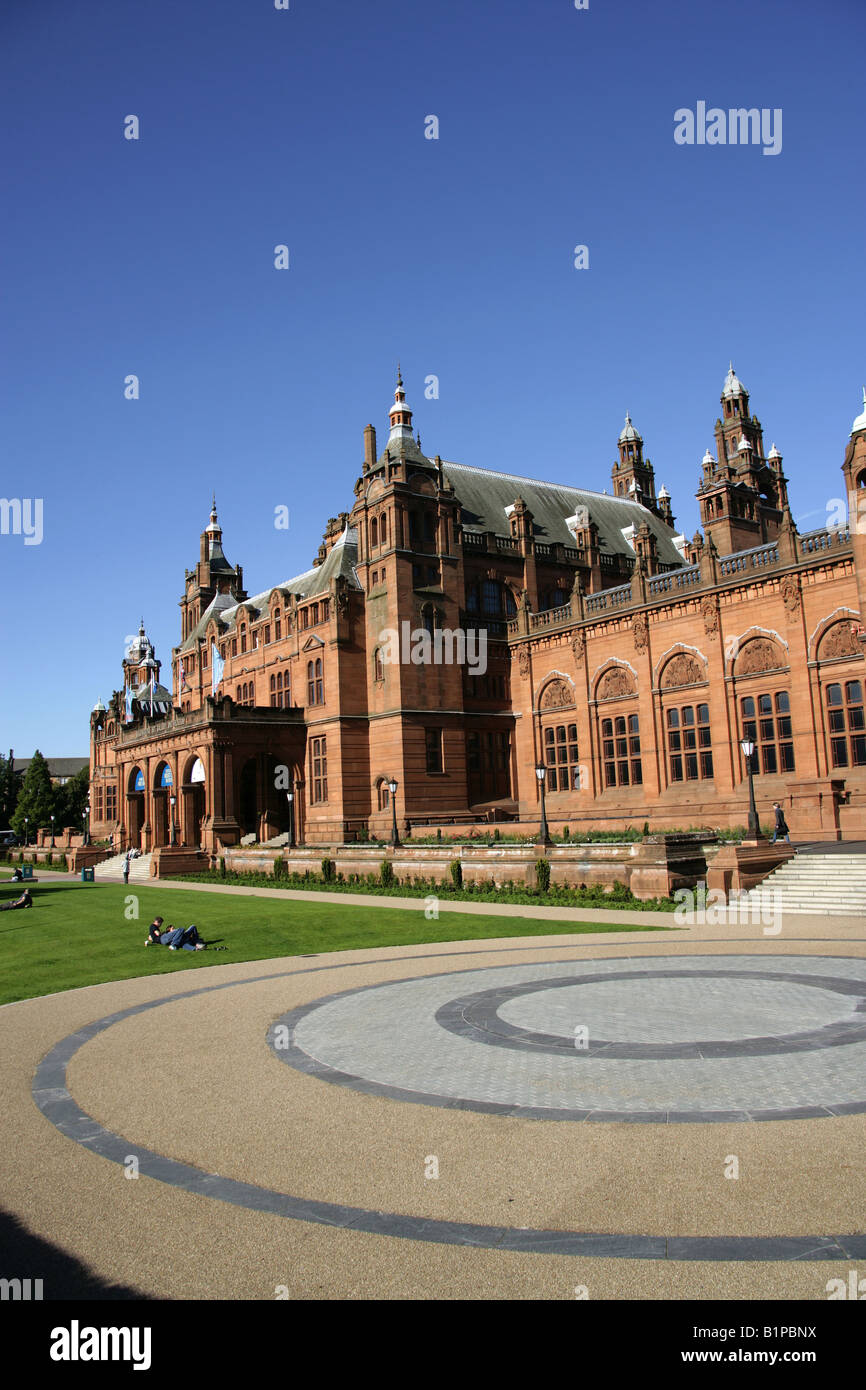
(830, 884)
(139, 869)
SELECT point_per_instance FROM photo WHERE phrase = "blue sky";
(306, 127)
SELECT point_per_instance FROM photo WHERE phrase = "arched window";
(378, 665)
(374, 533)
(845, 721)
(429, 619)
(688, 733)
(320, 683)
(561, 758)
(240, 696)
(383, 529)
(243, 638)
(311, 683)
(620, 746)
(384, 794)
(766, 721)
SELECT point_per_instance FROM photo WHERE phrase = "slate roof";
(340, 560)
(57, 767)
(484, 495)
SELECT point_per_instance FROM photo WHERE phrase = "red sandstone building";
(628, 660)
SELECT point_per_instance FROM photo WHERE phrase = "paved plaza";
(670, 1114)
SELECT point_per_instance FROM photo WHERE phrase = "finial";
(399, 375)
(730, 368)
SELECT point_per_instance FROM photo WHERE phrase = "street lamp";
(748, 748)
(172, 801)
(26, 832)
(544, 834)
(392, 787)
(290, 797)
(52, 832)
(84, 825)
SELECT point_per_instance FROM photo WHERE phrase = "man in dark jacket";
(781, 827)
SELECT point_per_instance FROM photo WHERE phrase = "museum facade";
(626, 660)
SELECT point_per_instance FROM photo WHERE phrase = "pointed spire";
(860, 422)
(400, 415)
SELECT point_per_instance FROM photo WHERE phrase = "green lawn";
(77, 934)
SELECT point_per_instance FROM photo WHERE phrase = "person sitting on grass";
(184, 938)
(17, 876)
(24, 901)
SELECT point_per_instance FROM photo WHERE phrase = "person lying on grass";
(185, 938)
(24, 901)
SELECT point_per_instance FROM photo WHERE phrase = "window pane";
(765, 704)
(768, 755)
(748, 707)
(854, 691)
(834, 694)
(783, 704)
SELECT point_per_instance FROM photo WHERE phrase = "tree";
(72, 798)
(37, 798)
(10, 789)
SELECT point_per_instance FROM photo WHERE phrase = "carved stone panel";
(639, 630)
(557, 695)
(578, 645)
(759, 655)
(682, 670)
(791, 593)
(614, 683)
(839, 640)
(710, 611)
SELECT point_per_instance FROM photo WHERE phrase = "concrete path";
(304, 1160)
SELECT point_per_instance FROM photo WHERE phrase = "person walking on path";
(126, 868)
(781, 826)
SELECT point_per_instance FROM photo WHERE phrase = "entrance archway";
(134, 808)
(192, 802)
(163, 790)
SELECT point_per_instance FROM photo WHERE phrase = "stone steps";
(824, 884)
(139, 869)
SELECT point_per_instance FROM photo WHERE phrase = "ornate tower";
(743, 496)
(854, 472)
(212, 575)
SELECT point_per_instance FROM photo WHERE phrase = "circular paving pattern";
(708, 1039)
(393, 1029)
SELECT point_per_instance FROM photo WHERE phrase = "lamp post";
(290, 797)
(52, 832)
(544, 834)
(748, 748)
(172, 801)
(85, 827)
(392, 787)
(26, 832)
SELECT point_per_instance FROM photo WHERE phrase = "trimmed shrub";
(223, 866)
(455, 868)
(565, 832)
(542, 874)
(386, 873)
(279, 866)
(329, 870)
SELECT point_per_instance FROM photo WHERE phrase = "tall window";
(280, 691)
(315, 683)
(766, 720)
(278, 625)
(689, 755)
(845, 720)
(620, 746)
(561, 758)
(319, 769)
(433, 741)
(243, 639)
(384, 796)
(378, 665)
(97, 803)
(374, 533)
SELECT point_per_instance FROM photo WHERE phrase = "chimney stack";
(369, 447)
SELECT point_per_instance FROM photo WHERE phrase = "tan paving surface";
(196, 1081)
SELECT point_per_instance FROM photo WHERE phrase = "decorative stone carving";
(710, 612)
(556, 695)
(616, 682)
(523, 661)
(759, 655)
(578, 645)
(682, 670)
(791, 593)
(640, 633)
(839, 640)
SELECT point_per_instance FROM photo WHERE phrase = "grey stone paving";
(702, 1038)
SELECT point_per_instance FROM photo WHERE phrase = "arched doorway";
(163, 792)
(134, 808)
(248, 809)
(191, 809)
